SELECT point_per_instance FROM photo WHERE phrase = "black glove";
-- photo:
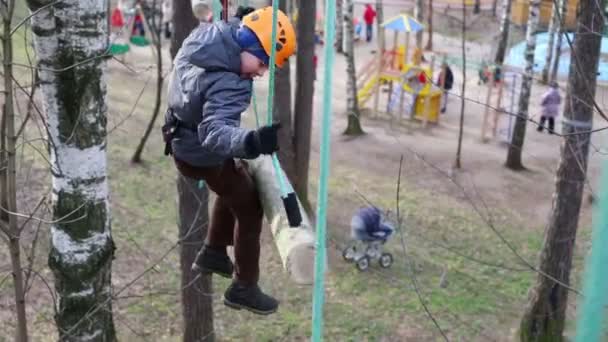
(243, 11)
(264, 140)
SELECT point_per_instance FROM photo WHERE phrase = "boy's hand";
(264, 140)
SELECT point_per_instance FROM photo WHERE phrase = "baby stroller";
(370, 231)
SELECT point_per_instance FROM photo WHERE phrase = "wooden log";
(296, 246)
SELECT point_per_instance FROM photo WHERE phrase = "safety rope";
(320, 255)
(589, 327)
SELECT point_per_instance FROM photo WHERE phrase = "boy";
(550, 108)
(210, 87)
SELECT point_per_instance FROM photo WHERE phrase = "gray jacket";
(206, 92)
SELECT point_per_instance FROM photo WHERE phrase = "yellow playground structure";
(415, 96)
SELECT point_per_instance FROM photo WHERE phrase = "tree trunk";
(305, 82)
(156, 40)
(429, 42)
(197, 306)
(352, 106)
(282, 113)
(553, 26)
(419, 14)
(379, 29)
(514, 161)
(9, 175)
(457, 161)
(545, 313)
(197, 300)
(339, 44)
(183, 23)
(504, 32)
(75, 102)
(563, 4)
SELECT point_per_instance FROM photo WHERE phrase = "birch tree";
(70, 39)
(545, 315)
(339, 43)
(514, 161)
(553, 26)
(429, 16)
(352, 106)
(504, 32)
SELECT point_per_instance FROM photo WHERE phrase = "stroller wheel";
(386, 260)
(348, 253)
(363, 263)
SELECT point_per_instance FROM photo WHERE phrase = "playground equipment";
(394, 66)
(128, 16)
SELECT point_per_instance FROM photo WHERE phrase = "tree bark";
(429, 42)
(296, 246)
(553, 26)
(156, 40)
(75, 102)
(183, 23)
(339, 44)
(457, 161)
(197, 306)
(545, 314)
(9, 175)
(282, 113)
(352, 106)
(419, 14)
(504, 32)
(563, 4)
(305, 82)
(197, 300)
(514, 160)
(379, 29)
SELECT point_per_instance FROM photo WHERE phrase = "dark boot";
(250, 298)
(210, 260)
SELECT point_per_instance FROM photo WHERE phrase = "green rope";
(595, 283)
(320, 258)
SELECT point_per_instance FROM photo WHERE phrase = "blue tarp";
(516, 56)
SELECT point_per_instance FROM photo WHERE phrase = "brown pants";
(237, 214)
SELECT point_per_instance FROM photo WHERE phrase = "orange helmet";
(260, 22)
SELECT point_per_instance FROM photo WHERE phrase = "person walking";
(368, 16)
(550, 108)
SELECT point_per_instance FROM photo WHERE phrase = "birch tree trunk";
(352, 106)
(553, 26)
(545, 314)
(339, 43)
(563, 4)
(457, 161)
(419, 14)
(305, 83)
(504, 32)
(70, 37)
(514, 161)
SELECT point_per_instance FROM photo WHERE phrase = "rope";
(320, 255)
(589, 325)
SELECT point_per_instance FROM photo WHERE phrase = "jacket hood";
(213, 47)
